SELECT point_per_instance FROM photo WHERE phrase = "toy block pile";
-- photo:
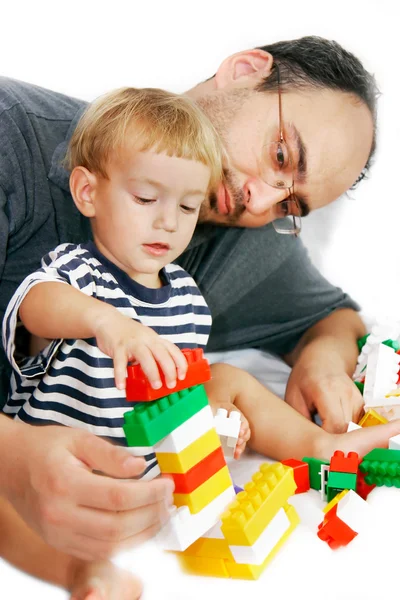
(214, 531)
(377, 374)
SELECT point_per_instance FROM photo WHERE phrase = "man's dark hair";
(316, 62)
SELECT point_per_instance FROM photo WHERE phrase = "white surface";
(86, 48)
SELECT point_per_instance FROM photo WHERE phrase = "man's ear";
(245, 68)
(83, 185)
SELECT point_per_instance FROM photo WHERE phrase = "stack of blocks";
(215, 531)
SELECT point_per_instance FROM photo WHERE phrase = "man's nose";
(260, 197)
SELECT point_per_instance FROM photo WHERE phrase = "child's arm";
(55, 310)
(23, 548)
(277, 430)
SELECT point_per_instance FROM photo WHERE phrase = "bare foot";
(104, 581)
(361, 441)
(244, 431)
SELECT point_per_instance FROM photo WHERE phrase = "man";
(297, 120)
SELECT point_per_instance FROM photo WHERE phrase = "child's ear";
(83, 184)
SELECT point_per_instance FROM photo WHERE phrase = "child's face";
(147, 210)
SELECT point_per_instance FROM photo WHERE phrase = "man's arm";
(323, 362)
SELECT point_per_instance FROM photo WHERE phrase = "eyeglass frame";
(292, 196)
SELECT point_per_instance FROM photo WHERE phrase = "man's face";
(329, 135)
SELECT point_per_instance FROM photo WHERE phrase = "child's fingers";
(179, 360)
(166, 363)
(120, 362)
(147, 361)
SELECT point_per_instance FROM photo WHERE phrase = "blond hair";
(154, 120)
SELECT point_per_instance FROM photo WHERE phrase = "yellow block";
(171, 462)
(334, 501)
(210, 548)
(395, 393)
(198, 565)
(206, 492)
(371, 418)
(249, 514)
(237, 571)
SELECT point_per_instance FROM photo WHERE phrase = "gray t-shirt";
(261, 287)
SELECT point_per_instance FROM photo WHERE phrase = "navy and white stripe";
(71, 382)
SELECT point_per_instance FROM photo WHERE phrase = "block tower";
(214, 531)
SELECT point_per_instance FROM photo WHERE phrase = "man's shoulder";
(36, 100)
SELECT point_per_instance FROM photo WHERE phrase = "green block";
(361, 342)
(360, 386)
(337, 482)
(314, 467)
(392, 344)
(151, 422)
(383, 454)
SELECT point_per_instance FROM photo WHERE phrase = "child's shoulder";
(67, 254)
(179, 278)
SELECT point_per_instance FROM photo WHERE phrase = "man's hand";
(49, 481)
(327, 390)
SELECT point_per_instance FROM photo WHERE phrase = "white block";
(324, 473)
(381, 375)
(188, 432)
(394, 443)
(354, 511)
(353, 426)
(228, 426)
(184, 528)
(258, 552)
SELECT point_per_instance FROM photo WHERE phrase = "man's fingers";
(100, 455)
(104, 493)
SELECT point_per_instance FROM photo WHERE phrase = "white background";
(86, 48)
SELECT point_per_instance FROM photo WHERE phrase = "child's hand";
(126, 340)
(103, 581)
(244, 435)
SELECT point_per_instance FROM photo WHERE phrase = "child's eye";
(188, 209)
(144, 200)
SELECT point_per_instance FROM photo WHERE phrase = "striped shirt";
(71, 382)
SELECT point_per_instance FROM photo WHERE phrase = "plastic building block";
(171, 462)
(184, 528)
(254, 508)
(210, 548)
(354, 511)
(363, 489)
(268, 539)
(334, 531)
(343, 464)
(314, 471)
(372, 418)
(188, 432)
(201, 472)
(333, 503)
(360, 386)
(381, 375)
(205, 566)
(361, 342)
(394, 344)
(149, 423)
(382, 467)
(394, 442)
(138, 388)
(340, 481)
(206, 492)
(228, 428)
(383, 330)
(324, 474)
(352, 426)
(237, 489)
(237, 571)
(300, 473)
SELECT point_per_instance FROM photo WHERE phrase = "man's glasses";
(277, 171)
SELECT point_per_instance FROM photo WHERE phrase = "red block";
(206, 468)
(363, 488)
(138, 388)
(300, 473)
(334, 531)
(342, 464)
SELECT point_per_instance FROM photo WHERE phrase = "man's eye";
(281, 155)
(283, 208)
